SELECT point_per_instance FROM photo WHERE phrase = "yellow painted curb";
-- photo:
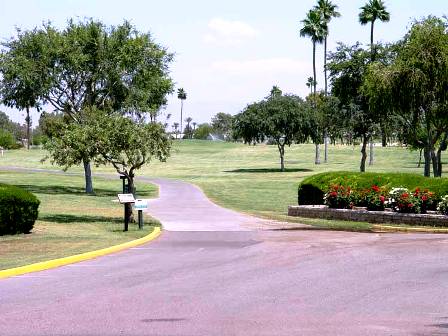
(44, 265)
(392, 228)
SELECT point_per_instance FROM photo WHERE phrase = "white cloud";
(226, 32)
(262, 66)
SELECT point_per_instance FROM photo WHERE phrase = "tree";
(203, 131)
(120, 141)
(176, 127)
(370, 12)
(23, 67)
(415, 86)
(90, 67)
(327, 10)
(222, 124)
(275, 92)
(188, 132)
(282, 119)
(310, 84)
(182, 95)
(316, 29)
(348, 66)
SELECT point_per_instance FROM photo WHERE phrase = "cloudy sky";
(228, 53)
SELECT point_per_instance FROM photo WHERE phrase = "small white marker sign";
(141, 204)
(126, 198)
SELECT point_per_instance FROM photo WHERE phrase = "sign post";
(126, 199)
(140, 205)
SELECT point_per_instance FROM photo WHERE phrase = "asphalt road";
(220, 273)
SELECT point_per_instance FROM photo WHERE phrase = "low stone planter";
(362, 215)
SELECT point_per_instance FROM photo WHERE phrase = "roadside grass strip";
(41, 266)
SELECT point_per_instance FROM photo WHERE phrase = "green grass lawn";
(69, 221)
(247, 178)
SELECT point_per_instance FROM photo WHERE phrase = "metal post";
(126, 219)
(140, 219)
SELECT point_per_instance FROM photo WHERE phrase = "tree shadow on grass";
(268, 170)
(63, 190)
(65, 218)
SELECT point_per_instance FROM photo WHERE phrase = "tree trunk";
(314, 66)
(325, 67)
(317, 158)
(427, 168)
(383, 135)
(88, 176)
(371, 153)
(325, 146)
(420, 158)
(28, 127)
(281, 150)
(372, 51)
(435, 164)
(129, 216)
(365, 140)
(181, 111)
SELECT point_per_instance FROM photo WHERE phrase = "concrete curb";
(391, 228)
(41, 266)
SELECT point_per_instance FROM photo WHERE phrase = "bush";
(443, 206)
(18, 210)
(338, 197)
(373, 198)
(401, 200)
(7, 140)
(313, 188)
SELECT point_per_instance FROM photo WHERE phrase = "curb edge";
(44, 265)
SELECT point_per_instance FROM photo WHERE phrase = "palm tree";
(310, 84)
(370, 12)
(275, 92)
(316, 29)
(327, 10)
(182, 95)
(175, 126)
(188, 120)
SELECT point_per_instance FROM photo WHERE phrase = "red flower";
(405, 195)
(333, 193)
(375, 188)
(424, 198)
(382, 199)
(410, 205)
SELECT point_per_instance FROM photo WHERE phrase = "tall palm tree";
(316, 29)
(182, 95)
(327, 10)
(370, 12)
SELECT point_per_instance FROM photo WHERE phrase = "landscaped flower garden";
(376, 198)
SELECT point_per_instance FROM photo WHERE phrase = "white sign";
(126, 198)
(141, 204)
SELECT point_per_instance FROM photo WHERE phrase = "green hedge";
(18, 210)
(313, 188)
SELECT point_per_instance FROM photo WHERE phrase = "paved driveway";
(214, 274)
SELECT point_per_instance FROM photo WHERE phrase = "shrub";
(338, 197)
(18, 210)
(427, 200)
(7, 140)
(443, 206)
(374, 198)
(312, 189)
(401, 200)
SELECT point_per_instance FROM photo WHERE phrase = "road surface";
(216, 272)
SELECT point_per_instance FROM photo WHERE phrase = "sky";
(227, 53)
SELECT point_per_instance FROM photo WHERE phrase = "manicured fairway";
(70, 221)
(247, 178)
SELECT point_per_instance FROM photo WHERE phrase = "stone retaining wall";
(360, 215)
